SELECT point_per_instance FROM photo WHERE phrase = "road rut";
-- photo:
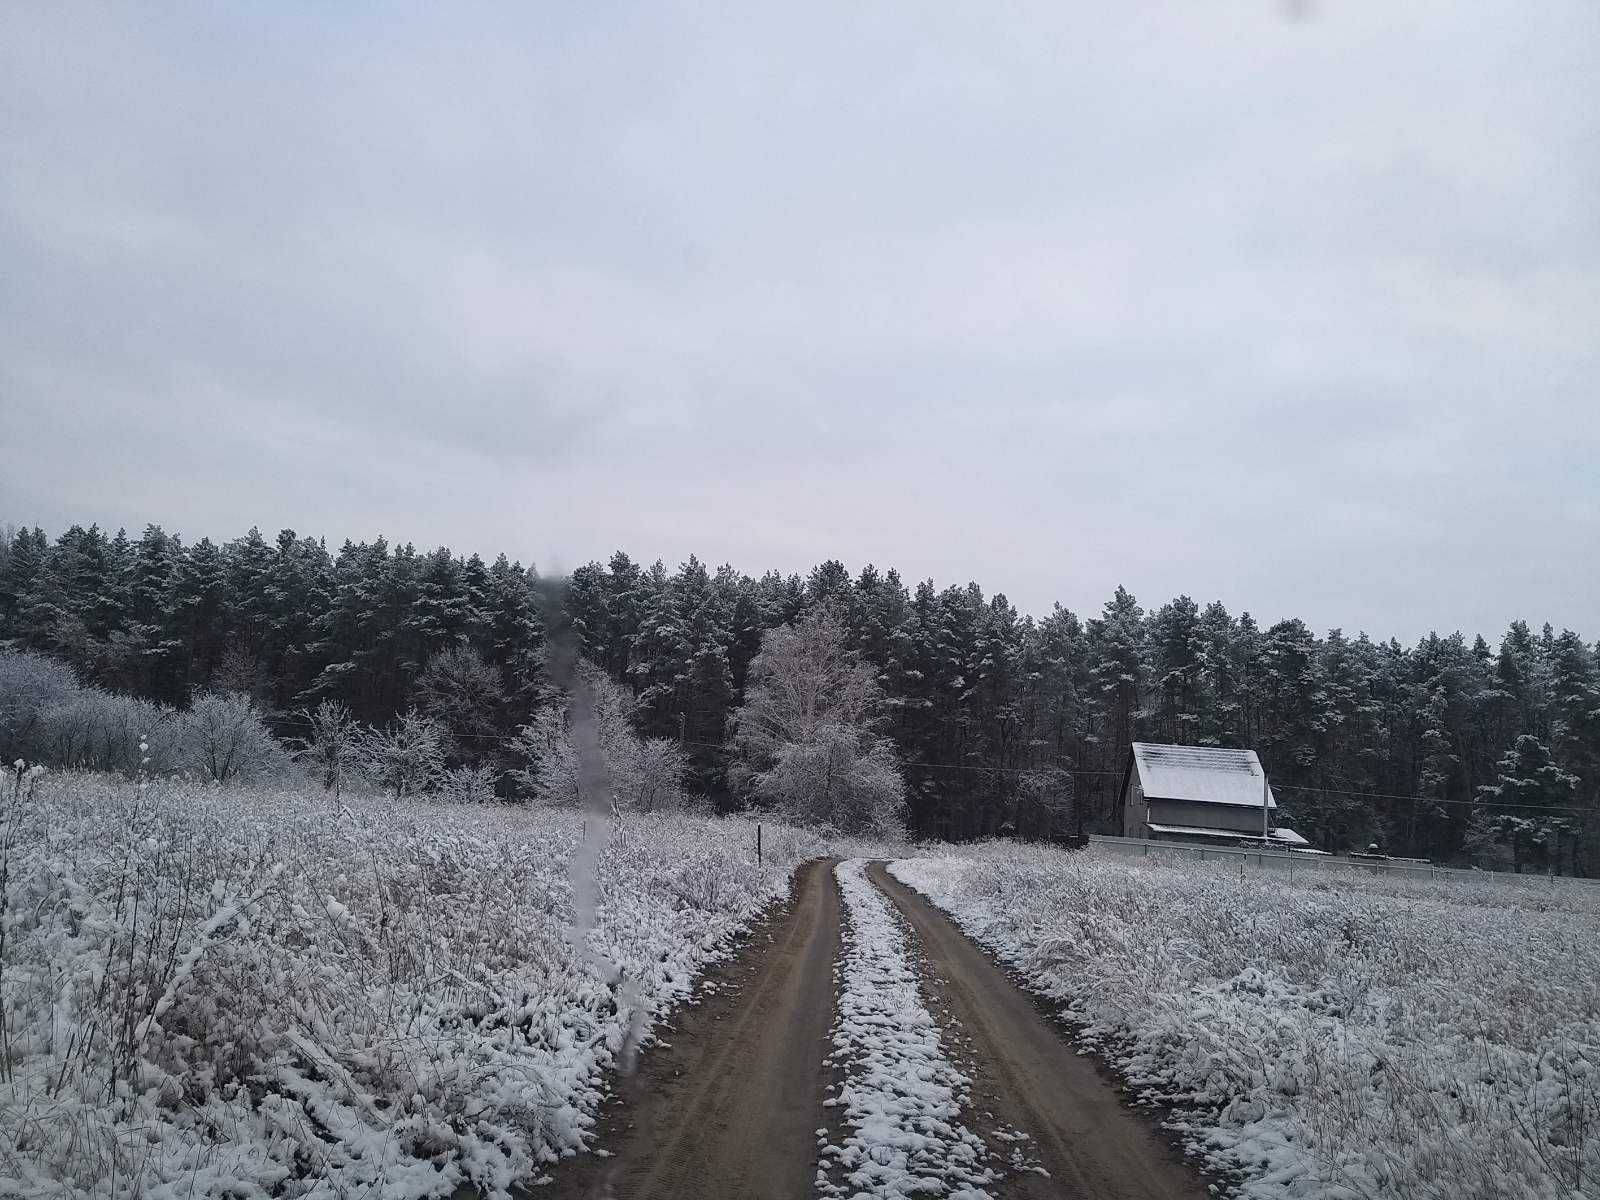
(728, 1108)
(1094, 1147)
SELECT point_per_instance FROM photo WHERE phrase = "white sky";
(1298, 308)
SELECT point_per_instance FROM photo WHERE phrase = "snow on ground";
(256, 992)
(1332, 1038)
(902, 1097)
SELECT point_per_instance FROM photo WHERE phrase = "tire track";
(1091, 1143)
(728, 1107)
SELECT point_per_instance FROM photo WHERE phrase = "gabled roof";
(1209, 774)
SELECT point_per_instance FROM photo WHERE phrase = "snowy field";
(259, 993)
(1341, 1037)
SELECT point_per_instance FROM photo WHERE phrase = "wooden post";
(758, 843)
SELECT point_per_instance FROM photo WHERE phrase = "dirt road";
(1094, 1147)
(728, 1109)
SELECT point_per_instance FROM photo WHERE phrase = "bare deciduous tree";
(806, 737)
(223, 738)
(404, 758)
(329, 746)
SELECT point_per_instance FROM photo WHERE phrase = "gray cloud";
(1301, 314)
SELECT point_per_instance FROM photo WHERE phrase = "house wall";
(1203, 816)
(1134, 809)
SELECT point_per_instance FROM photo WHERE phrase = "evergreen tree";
(1000, 723)
(1523, 802)
(1117, 650)
(1178, 663)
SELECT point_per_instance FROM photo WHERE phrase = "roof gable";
(1207, 774)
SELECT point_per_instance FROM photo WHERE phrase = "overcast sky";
(1293, 306)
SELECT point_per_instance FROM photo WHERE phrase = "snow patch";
(902, 1097)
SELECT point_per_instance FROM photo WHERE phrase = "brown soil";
(728, 1107)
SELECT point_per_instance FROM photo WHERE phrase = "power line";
(912, 762)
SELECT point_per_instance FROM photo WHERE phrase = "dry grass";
(260, 992)
(1343, 1036)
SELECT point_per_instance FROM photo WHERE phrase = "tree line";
(1452, 749)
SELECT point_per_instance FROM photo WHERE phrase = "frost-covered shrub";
(30, 686)
(1338, 1036)
(248, 992)
(405, 757)
(468, 785)
(707, 880)
(102, 731)
(842, 777)
(222, 738)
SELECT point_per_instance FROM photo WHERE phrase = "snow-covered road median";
(902, 1097)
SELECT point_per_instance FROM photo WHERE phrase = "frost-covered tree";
(842, 776)
(644, 774)
(806, 739)
(329, 746)
(223, 738)
(463, 692)
(406, 756)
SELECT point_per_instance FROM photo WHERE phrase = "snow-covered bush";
(468, 785)
(644, 774)
(248, 992)
(102, 731)
(45, 715)
(405, 757)
(222, 738)
(841, 776)
(30, 686)
(1338, 1036)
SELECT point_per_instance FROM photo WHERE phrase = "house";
(1200, 794)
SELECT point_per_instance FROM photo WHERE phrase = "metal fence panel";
(1292, 864)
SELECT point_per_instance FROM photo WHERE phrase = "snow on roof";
(1211, 774)
(1284, 834)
